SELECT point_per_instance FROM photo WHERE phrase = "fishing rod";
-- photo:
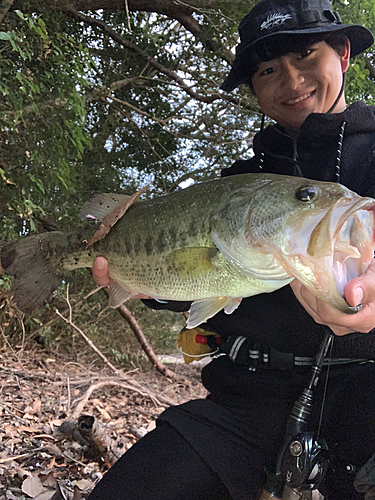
(303, 458)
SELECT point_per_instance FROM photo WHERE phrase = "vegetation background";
(106, 96)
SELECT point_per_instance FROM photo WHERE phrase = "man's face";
(291, 87)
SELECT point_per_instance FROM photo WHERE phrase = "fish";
(212, 244)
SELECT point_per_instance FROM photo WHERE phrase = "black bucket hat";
(274, 18)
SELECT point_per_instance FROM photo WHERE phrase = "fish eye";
(306, 193)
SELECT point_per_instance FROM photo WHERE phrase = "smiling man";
(291, 87)
(294, 55)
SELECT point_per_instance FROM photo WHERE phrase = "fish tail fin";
(29, 262)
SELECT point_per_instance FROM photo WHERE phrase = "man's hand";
(100, 274)
(357, 291)
(100, 271)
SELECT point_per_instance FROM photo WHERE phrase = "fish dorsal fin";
(117, 294)
(192, 261)
(101, 205)
(201, 310)
(114, 216)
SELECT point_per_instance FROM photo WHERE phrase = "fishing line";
(197, 355)
(329, 357)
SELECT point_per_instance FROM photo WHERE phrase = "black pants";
(161, 466)
(191, 460)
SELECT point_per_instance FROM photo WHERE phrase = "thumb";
(100, 271)
(361, 290)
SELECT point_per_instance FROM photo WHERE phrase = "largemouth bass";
(213, 243)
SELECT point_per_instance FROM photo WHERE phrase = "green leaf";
(5, 35)
(20, 15)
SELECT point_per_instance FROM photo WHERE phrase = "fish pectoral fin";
(192, 261)
(117, 294)
(251, 262)
(202, 310)
(232, 305)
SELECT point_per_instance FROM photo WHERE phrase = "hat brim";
(360, 39)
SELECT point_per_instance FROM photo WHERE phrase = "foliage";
(42, 116)
(360, 84)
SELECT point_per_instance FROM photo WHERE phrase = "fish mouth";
(340, 248)
(353, 242)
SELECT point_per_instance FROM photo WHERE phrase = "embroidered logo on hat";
(274, 20)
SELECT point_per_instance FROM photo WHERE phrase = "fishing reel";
(302, 465)
(303, 459)
(303, 462)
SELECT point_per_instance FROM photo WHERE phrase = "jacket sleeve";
(241, 167)
(171, 305)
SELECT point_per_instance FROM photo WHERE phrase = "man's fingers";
(100, 271)
(323, 313)
(361, 290)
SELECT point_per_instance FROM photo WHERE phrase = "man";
(293, 54)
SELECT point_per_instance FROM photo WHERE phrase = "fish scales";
(147, 230)
(212, 243)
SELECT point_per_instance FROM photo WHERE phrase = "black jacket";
(277, 319)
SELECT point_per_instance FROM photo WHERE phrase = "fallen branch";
(101, 445)
(128, 315)
(23, 455)
(36, 332)
(93, 347)
(159, 400)
(131, 384)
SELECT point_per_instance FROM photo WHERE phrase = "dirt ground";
(63, 421)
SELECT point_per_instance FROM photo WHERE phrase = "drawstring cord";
(261, 160)
(338, 155)
(340, 94)
(339, 152)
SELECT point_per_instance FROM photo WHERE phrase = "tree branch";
(93, 346)
(127, 386)
(133, 385)
(208, 99)
(166, 7)
(4, 7)
(128, 316)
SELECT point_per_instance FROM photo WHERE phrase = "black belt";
(255, 356)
